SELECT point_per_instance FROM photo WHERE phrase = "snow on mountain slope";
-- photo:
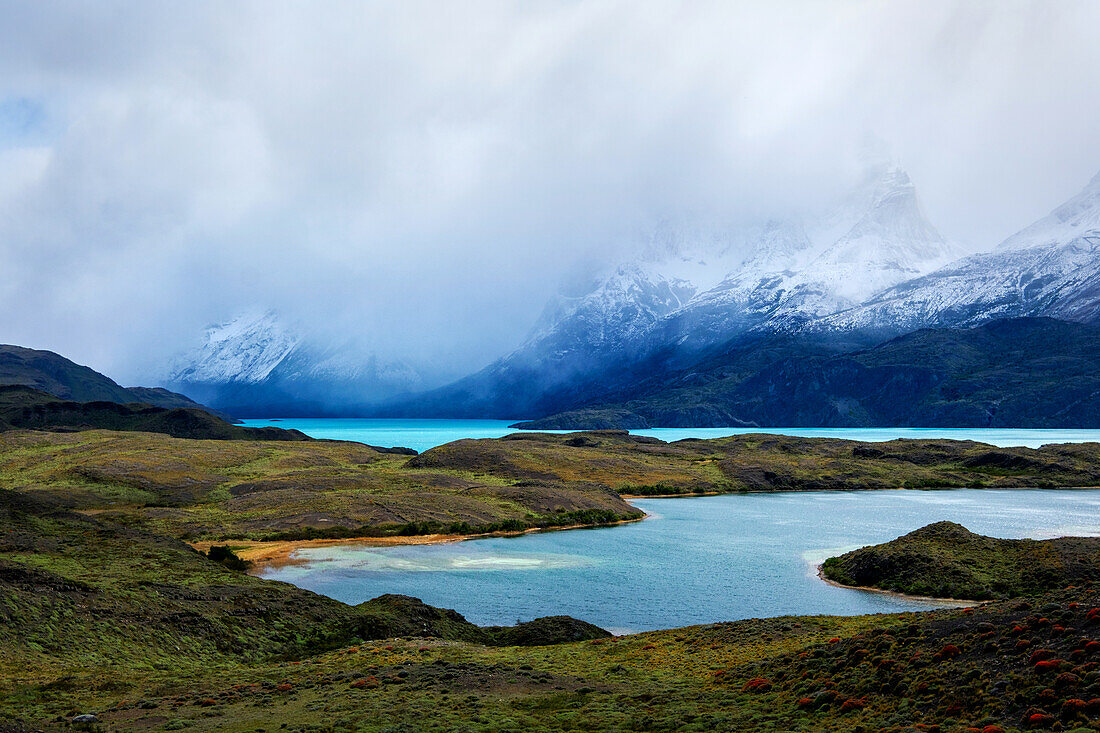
(244, 349)
(1060, 281)
(1051, 268)
(877, 237)
(1075, 217)
(622, 306)
(890, 242)
(255, 362)
(692, 286)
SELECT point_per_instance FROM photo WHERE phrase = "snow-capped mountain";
(877, 238)
(871, 268)
(942, 334)
(695, 287)
(890, 241)
(244, 349)
(1051, 268)
(624, 305)
(797, 270)
(1069, 221)
(255, 364)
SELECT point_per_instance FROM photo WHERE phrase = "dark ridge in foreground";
(32, 409)
(945, 560)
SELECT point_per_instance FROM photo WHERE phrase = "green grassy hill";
(214, 490)
(146, 634)
(634, 464)
(948, 561)
(253, 489)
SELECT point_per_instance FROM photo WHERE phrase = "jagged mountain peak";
(891, 241)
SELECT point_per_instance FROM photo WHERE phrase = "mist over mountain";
(700, 292)
(648, 348)
(868, 268)
(420, 180)
(255, 364)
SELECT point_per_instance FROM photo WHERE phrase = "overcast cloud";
(425, 174)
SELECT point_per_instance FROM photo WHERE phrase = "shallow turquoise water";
(420, 435)
(696, 560)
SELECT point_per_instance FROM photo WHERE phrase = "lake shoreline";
(422, 434)
(729, 557)
(947, 602)
(273, 554)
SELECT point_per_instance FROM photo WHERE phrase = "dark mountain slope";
(1026, 372)
(24, 407)
(518, 389)
(53, 373)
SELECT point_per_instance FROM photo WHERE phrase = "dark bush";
(223, 555)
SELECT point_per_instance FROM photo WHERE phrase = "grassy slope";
(151, 636)
(148, 634)
(759, 462)
(256, 490)
(92, 606)
(947, 561)
(202, 489)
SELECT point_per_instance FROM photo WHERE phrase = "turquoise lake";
(695, 560)
(420, 435)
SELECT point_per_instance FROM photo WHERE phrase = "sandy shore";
(280, 553)
(947, 602)
(628, 497)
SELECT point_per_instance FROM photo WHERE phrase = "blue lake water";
(420, 435)
(695, 560)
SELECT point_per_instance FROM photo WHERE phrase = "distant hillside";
(58, 376)
(1024, 372)
(25, 407)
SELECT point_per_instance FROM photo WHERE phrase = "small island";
(945, 560)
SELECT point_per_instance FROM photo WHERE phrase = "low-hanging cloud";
(424, 175)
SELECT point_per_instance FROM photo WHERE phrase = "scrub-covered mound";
(946, 560)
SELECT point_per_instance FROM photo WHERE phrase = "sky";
(425, 175)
